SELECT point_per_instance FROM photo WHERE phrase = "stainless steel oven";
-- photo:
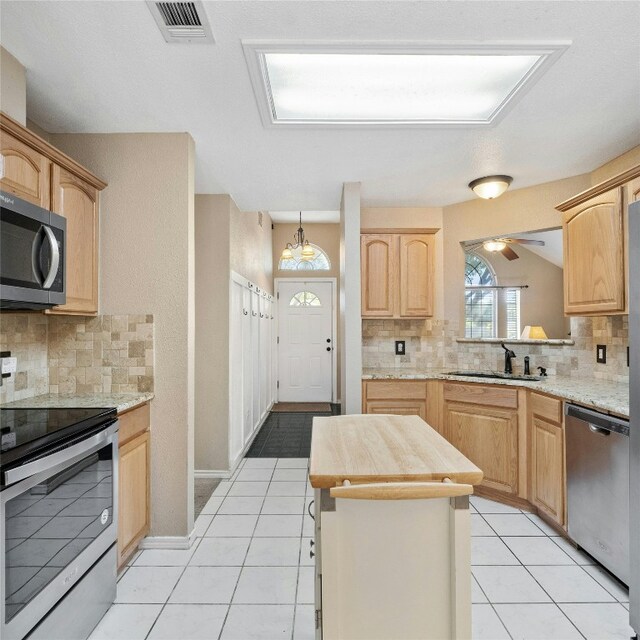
(59, 523)
(32, 255)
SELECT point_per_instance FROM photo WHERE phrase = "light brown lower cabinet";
(548, 486)
(516, 437)
(395, 397)
(134, 481)
(488, 436)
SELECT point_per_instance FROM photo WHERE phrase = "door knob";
(328, 348)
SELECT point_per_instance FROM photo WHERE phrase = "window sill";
(554, 343)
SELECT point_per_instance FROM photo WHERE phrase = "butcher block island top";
(383, 448)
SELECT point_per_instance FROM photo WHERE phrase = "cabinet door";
(594, 256)
(255, 355)
(78, 203)
(247, 366)
(379, 259)
(488, 436)
(398, 407)
(133, 515)
(547, 473)
(24, 172)
(416, 275)
(236, 373)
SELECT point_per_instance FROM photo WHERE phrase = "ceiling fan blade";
(509, 253)
(540, 243)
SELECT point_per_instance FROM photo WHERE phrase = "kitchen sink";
(494, 375)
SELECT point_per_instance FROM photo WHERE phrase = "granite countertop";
(611, 397)
(121, 401)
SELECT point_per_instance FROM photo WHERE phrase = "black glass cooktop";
(29, 432)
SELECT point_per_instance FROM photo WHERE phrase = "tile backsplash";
(433, 344)
(107, 353)
(75, 354)
(25, 336)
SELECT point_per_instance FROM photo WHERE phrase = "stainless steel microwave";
(32, 255)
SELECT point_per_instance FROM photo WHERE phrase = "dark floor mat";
(286, 435)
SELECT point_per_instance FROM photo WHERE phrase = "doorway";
(306, 339)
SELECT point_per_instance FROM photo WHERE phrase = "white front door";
(305, 349)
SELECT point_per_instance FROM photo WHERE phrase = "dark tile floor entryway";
(286, 435)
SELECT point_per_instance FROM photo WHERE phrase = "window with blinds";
(512, 302)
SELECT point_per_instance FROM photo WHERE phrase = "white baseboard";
(168, 542)
(212, 473)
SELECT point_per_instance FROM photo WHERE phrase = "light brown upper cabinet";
(594, 256)
(397, 272)
(24, 172)
(379, 263)
(35, 171)
(595, 247)
(416, 275)
(77, 201)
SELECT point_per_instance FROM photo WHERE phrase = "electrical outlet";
(400, 348)
(9, 365)
(5, 357)
(601, 353)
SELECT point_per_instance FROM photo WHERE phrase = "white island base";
(394, 569)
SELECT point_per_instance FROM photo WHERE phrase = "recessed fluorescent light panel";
(349, 86)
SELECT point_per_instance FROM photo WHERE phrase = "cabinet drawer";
(545, 407)
(396, 390)
(489, 395)
(133, 423)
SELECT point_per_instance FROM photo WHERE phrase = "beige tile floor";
(249, 574)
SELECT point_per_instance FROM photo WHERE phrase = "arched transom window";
(320, 262)
(305, 299)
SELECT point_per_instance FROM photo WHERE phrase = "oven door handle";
(55, 257)
(69, 455)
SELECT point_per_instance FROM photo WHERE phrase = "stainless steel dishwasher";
(598, 486)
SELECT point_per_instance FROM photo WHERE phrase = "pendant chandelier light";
(299, 241)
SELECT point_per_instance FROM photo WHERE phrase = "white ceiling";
(104, 67)
(552, 250)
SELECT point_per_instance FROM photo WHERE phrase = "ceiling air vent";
(184, 22)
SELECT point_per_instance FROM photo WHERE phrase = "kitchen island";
(392, 529)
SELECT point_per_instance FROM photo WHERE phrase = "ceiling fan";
(501, 245)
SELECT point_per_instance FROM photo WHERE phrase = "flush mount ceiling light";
(494, 245)
(490, 187)
(346, 84)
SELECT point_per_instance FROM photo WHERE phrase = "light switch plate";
(400, 348)
(601, 353)
(9, 365)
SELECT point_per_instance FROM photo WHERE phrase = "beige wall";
(13, 87)
(226, 239)
(146, 266)
(350, 325)
(530, 209)
(412, 218)
(251, 246)
(213, 224)
(542, 304)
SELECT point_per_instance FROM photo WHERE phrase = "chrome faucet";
(508, 354)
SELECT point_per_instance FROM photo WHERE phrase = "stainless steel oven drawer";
(76, 615)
